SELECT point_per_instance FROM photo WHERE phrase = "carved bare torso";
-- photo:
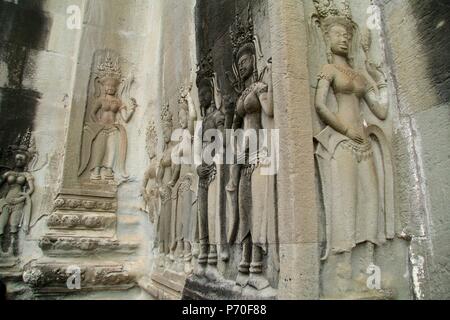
(349, 87)
(109, 106)
(16, 183)
(249, 106)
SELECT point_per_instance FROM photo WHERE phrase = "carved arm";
(377, 100)
(126, 115)
(328, 117)
(93, 114)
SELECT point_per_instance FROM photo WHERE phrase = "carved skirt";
(183, 211)
(355, 212)
(164, 234)
(105, 147)
(12, 214)
(257, 207)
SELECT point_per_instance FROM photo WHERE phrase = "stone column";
(297, 209)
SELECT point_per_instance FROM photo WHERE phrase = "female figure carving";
(15, 206)
(105, 139)
(356, 210)
(256, 191)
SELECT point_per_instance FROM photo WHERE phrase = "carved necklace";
(348, 72)
(247, 91)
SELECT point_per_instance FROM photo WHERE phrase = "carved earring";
(255, 70)
(329, 55)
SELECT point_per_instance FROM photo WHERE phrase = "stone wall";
(417, 36)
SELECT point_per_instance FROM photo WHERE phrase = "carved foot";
(203, 256)
(95, 176)
(109, 174)
(258, 281)
(161, 261)
(231, 187)
(200, 271)
(224, 254)
(212, 274)
(188, 270)
(242, 279)
(195, 250)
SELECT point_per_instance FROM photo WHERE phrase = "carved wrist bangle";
(382, 85)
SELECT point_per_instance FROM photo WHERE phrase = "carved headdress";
(182, 102)
(330, 14)
(109, 69)
(24, 145)
(242, 35)
(166, 117)
(205, 71)
(152, 139)
(244, 40)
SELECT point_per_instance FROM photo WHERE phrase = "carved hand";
(375, 72)
(355, 136)
(134, 104)
(145, 195)
(17, 200)
(186, 91)
(202, 171)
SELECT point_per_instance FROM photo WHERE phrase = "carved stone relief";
(104, 146)
(353, 154)
(17, 188)
(52, 277)
(256, 200)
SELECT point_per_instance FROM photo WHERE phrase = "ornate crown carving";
(328, 8)
(24, 144)
(151, 137)
(242, 33)
(182, 102)
(205, 69)
(166, 116)
(109, 69)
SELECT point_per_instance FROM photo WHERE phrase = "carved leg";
(4, 218)
(110, 155)
(202, 259)
(257, 280)
(224, 253)
(109, 174)
(187, 257)
(98, 153)
(2, 240)
(344, 272)
(370, 253)
(212, 255)
(14, 249)
(203, 256)
(244, 265)
(212, 273)
(203, 225)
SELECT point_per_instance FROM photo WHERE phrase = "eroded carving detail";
(80, 221)
(59, 245)
(69, 203)
(53, 277)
